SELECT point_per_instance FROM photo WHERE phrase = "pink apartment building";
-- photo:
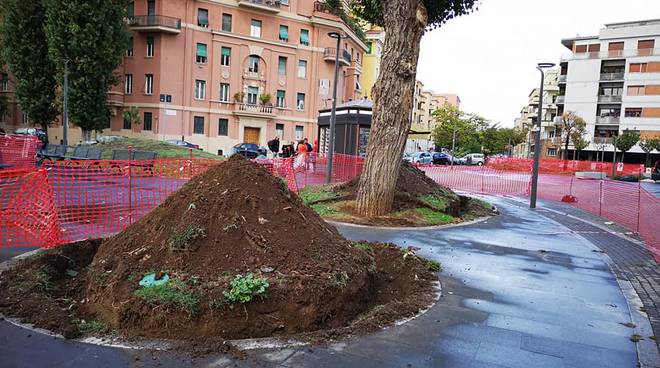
(202, 70)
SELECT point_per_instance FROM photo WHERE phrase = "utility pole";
(614, 154)
(537, 138)
(333, 114)
(453, 145)
(65, 107)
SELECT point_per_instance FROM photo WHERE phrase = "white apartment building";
(612, 80)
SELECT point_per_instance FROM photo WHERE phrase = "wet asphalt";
(519, 290)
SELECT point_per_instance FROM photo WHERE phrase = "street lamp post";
(333, 114)
(65, 105)
(537, 138)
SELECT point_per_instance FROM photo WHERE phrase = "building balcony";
(562, 78)
(557, 120)
(271, 6)
(329, 54)
(155, 23)
(610, 54)
(609, 99)
(259, 111)
(603, 140)
(607, 120)
(611, 76)
(559, 100)
(247, 74)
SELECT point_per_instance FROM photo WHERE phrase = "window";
(284, 33)
(279, 130)
(130, 11)
(609, 112)
(633, 112)
(147, 121)
(127, 123)
(615, 48)
(284, 2)
(223, 127)
(280, 98)
(281, 66)
(646, 45)
(150, 46)
(300, 130)
(302, 69)
(552, 152)
(203, 17)
(201, 53)
(128, 84)
(200, 90)
(611, 90)
(221, 152)
(4, 82)
(225, 56)
(252, 95)
(129, 49)
(300, 101)
(151, 7)
(304, 37)
(253, 64)
(226, 22)
(580, 49)
(149, 84)
(224, 92)
(198, 125)
(255, 28)
(635, 90)
(638, 67)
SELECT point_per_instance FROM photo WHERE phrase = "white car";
(419, 158)
(474, 159)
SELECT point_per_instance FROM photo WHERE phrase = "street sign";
(619, 166)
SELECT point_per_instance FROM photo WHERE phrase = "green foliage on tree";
(468, 128)
(648, 145)
(579, 143)
(336, 7)
(25, 51)
(92, 35)
(501, 140)
(132, 115)
(438, 11)
(627, 140)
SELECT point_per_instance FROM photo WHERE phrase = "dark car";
(441, 158)
(183, 144)
(249, 150)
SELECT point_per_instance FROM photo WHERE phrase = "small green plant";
(265, 98)
(434, 217)
(323, 209)
(437, 203)
(182, 240)
(44, 280)
(93, 327)
(217, 303)
(239, 96)
(313, 194)
(362, 245)
(635, 338)
(175, 293)
(245, 288)
(434, 266)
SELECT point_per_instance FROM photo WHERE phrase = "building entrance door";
(251, 135)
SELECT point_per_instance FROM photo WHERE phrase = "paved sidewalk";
(519, 291)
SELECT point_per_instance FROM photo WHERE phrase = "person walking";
(301, 160)
(274, 146)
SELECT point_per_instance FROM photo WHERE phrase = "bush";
(245, 288)
(93, 327)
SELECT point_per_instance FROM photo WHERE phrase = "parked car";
(474, 159)
(35, 132)
(183, 144)
(443, 158)
(249, 150)
(419, 158)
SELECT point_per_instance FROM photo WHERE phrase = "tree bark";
(393, 93)
(568, 137)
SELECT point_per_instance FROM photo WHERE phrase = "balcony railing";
(153, 23)
(562, 78)
(603, 140)
(611, 54)
(329, 54)
(253, 108)
(321, 6)
(606, 99)
(560, 99)
(611, 76)
(607, 120)
(267, 5)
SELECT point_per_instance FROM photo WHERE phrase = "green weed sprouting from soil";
(245, 288)
(44, 280)
(437, 203)
(434, 217)
(175, 293)
(362, 245)
(93, 328)
(312, 194)
(182, 240)
(324, 209)
(434, 266)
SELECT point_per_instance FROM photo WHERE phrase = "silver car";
(474, 159)
(419, 158)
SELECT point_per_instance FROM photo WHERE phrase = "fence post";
(190, 165)
(600, 199)
(130, 184)
(570, 190)
(639, 201)
(483, 168)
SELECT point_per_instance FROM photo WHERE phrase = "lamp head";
(545, 65)
(334, 35)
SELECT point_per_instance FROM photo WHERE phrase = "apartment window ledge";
(201, 64)
(199, 99)
(148, 94)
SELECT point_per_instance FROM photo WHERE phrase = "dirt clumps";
(233, 254)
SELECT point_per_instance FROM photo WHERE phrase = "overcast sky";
(488, 58)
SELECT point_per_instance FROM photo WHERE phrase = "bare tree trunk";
(568, 137)
(405, 21)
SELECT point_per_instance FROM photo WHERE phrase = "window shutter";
(304, 36)
(201, 50)
(280, 94)
(284, 32)
(226, 51)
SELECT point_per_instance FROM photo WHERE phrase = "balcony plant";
(265, 99)
(239, 96)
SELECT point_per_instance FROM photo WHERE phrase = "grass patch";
(434, 266)
(635, 338)
(93, 328)
(164, 150)
(434, 217)
(483, 204)
(324, 209)
(174, 293)
(245, 288)
(44, 280)
(312, 194)
(182, 240)
(435, 202)
(362, 245)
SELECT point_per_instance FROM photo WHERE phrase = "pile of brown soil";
(414, 190)
(235, 219)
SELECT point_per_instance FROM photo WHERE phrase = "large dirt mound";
(234, 219)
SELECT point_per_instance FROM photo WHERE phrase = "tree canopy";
(627, 140)
(438, 11)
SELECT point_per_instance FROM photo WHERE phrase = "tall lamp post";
(333, 114)
(537, 138)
